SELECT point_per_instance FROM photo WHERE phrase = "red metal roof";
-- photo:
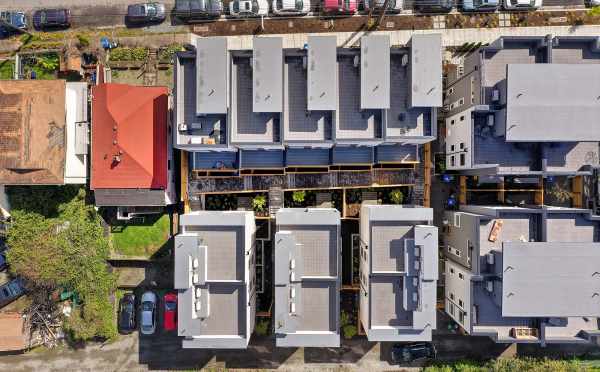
(129, 137)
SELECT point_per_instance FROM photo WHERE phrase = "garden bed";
(385, 195)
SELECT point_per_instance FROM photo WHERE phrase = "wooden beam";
(577, 192)
(462, 196)
(427, 176)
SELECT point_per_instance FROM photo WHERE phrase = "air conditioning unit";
(182, 127)
(495, 95)
(489, 286)
(489, 258)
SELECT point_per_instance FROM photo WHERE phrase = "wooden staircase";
(275, 200)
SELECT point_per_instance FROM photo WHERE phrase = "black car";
(407, 353)
(51, 18)
(434, 6)
(127, 313)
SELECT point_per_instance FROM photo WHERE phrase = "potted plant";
(396, 196)
(298, 197)
(259, 203)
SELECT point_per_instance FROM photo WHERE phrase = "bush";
(83, 41)
(349, 331)
(396, 196)
(595, 11)
(166, 54)
(299, 196)
(259, 202)
(510, 365)
(262, 328)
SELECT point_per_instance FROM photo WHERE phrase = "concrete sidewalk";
(450, 37)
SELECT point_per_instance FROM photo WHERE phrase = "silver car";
(148, 317)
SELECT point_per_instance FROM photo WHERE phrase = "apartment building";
(398, 272)
(286, 112)
(215, 279)
(525, 106)
(523, 275)
(307, 278)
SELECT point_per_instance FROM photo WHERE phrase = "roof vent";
(116, 159)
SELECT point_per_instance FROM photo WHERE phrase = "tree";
(62, 246)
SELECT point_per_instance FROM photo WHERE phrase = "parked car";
(340, 6)
(291, 7)
(170, 313)
(522, 4)
(11, 22)
(51, 18)
(11, 291)
(127, 314)
(248, 8)
(434, 6)
(480, 5)
(197, 9)
(146, 13)
(3, 264)
(408, 353)
(394, 6)
(148, 318)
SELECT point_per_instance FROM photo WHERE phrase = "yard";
(140, 238)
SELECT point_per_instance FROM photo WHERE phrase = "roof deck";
(307, 277)
(302, 124)
(211, 262)
(398, 264)
(576, 49)
(247, 125)
(353, 122)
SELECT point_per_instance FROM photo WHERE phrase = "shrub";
(595, 11)
(259, 202)
(349, 331)
(262, 328)
(83, 41)
(299, 196)
(396, 196)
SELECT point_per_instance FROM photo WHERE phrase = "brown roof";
(12, 334)
(32, 131)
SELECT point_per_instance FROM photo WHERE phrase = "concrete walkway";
(450, 37)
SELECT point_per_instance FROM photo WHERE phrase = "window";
(452, 122)
(450, 250)
(451, 309)
(451, 147)
(456, 220)
(451, 271)
(451, 90)
(462, 159)
(457, 253)
(462, 145)
(461, 317)
(460, 303)
(452, 161)
(461, 101)
(452, 296)
(460, 275)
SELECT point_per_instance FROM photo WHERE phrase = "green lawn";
(141, 239)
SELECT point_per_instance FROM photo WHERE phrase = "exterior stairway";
(275, 200)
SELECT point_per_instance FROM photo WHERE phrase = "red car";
(170, 313)
(340, 6)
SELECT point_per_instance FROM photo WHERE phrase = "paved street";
(130, 353)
